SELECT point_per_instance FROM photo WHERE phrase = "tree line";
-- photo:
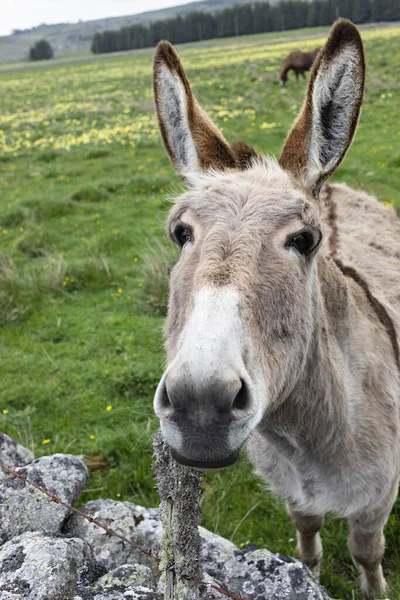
(245, 19)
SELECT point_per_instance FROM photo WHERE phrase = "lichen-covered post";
(180, 489)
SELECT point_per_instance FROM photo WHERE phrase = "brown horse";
(297, 61)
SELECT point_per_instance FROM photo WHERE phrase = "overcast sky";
(21, 14)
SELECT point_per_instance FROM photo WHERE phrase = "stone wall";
(49, 553)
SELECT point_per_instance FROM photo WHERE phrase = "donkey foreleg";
(309, 545)
(367, 549)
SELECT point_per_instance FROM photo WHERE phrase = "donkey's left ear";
(191, 139)
(325, 128)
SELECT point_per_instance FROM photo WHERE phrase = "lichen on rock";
(13, 454)
(39, 567)
(24, 508)
(259, 574)
(134, 522)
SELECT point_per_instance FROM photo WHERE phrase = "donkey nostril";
(163, 399)
(242, 399)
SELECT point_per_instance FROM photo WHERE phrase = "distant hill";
(66, 38)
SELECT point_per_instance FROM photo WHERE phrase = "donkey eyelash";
(310, 239)
(181, 234)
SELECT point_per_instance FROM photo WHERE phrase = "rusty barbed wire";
(80, 513)
(114, 533)
(217, 588)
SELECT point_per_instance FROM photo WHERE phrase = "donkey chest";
(308, 483)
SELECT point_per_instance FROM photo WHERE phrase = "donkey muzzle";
(205, 424)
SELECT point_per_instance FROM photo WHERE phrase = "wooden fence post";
(180, 557)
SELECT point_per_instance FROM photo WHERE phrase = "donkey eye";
(303, 242)
(182, 235)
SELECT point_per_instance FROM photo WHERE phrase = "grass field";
(84, 182)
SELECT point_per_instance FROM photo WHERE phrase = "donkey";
(284, 309)
(298, 62)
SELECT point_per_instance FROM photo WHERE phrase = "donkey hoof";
(374, 585)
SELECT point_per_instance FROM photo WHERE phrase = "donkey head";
(243, 294)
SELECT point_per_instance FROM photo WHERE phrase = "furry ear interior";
(191, 139)
(324, 130)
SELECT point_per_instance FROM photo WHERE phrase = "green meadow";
(85, 187)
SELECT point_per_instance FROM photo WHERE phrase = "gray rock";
(133, 522)
(12, 454)
(216, 550)
(125, 578)
(143, 526)
(140, 593)
(208, 592)
(128, 581)
(37, 567)
(259, 574)
(148, 525)
(197, 591)
(23, 508)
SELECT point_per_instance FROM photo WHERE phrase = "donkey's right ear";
(191, 139)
